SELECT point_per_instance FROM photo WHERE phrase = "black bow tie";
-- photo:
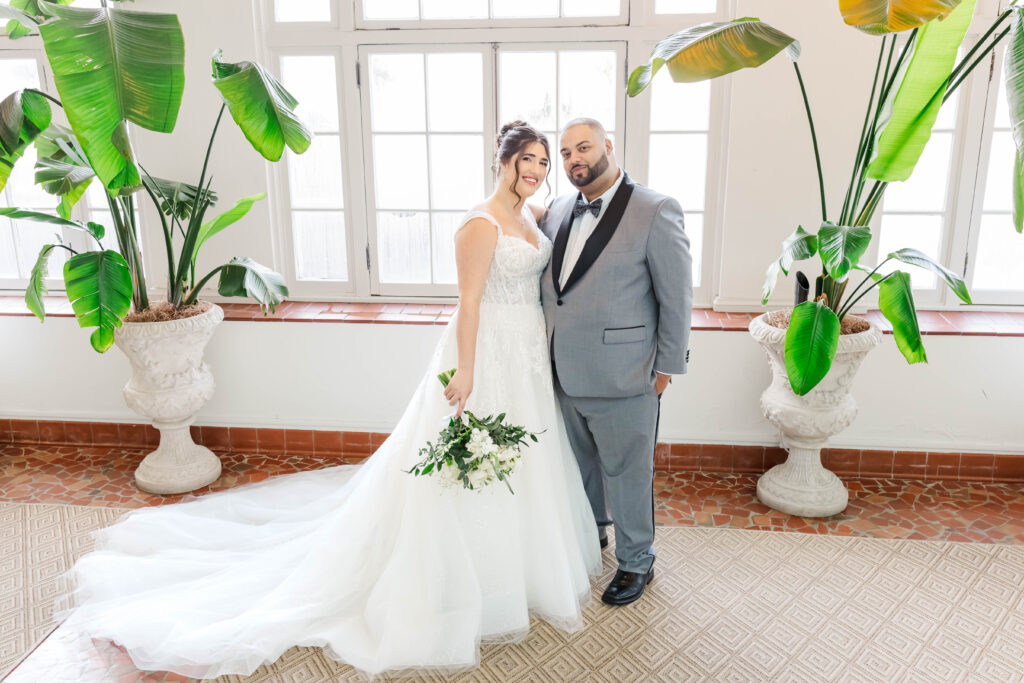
(582, 207)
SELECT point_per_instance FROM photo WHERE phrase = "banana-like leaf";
(99, 287)
(176, 198)
(712, 50)
(770, 278)
(914, 257)
(892, 16)
(910, 115)
(232, 215)
(112, 66)
(841, 247)
(36, 289)
(20, 24)
(24, 114)
(66, 180)
(94, 229)
(1013, 70)
(242, 276)
(261, 107)
(896, 301)
(797, 247)
(811, 343)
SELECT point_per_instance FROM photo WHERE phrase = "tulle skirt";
(386, 571)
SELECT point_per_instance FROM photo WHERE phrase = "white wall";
(357, 377)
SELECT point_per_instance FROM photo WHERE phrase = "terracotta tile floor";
(880, 508)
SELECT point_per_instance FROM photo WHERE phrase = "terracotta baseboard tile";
(354, 447)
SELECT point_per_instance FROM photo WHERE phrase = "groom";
(617, 296)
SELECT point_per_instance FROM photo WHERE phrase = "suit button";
(559, 302)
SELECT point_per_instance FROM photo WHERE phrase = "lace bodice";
(514, 276)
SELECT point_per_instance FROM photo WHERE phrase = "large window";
(408, 139)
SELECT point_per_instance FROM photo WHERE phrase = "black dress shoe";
(626, 587)
(604, 542)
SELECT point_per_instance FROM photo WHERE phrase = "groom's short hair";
(594, 124)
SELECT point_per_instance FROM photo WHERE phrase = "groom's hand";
(661, 382)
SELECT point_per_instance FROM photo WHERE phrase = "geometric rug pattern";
(726, 605)
(38, 543)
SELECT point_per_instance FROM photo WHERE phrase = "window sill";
(949, 323)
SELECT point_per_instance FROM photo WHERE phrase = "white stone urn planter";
(801, 485)
(169, 384)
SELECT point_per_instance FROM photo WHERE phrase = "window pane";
(678, 164)
(999, 256)
(694, 226)
(400, 171)
(320, 252)
(455, 98)
(454, 9)
(515, 9)
(104, 218)
(925, 190)
(314, 177)
(923, 233)
(301, 10)
(8, 254)
(16, 74)
(311, 78)
(29, 238)
(403, 247)
(391, 9)
(396, 92)
(444, 225)
(527, 88)
(679, 106)
(455, 164)
(999, 177)
(23, 191)
(684, 6)
(1002, 108)
(587, 81)
(591, 8)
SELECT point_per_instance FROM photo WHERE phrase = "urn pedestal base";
(801, 486)
(178, 465)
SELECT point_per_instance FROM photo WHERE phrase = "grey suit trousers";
(613, 439)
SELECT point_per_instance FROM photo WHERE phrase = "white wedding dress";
(384, 570)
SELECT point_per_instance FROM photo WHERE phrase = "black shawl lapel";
(561, 239)
(602, 234)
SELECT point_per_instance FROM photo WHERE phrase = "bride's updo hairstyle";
(512, 139)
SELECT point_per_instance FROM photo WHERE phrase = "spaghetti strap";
(470, 215)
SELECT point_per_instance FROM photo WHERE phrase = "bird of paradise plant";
(113, 67)
(915, 72)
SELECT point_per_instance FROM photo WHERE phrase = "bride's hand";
(458, 390)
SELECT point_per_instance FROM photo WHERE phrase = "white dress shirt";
(582, 228)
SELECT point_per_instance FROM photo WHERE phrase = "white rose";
(480, 475)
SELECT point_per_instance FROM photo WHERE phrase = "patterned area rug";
(725, 605)
(38, 543)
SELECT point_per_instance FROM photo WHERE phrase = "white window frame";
(621, 19)
(351, 37)
(489, 129)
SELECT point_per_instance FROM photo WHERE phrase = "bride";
(384, 570)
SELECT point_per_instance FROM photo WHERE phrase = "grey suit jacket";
(625, 310)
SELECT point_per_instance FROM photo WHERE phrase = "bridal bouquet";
(473, 451)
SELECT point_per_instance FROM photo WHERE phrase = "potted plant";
(816, 348)
(113, 67)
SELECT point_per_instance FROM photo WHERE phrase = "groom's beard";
(592, 174)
